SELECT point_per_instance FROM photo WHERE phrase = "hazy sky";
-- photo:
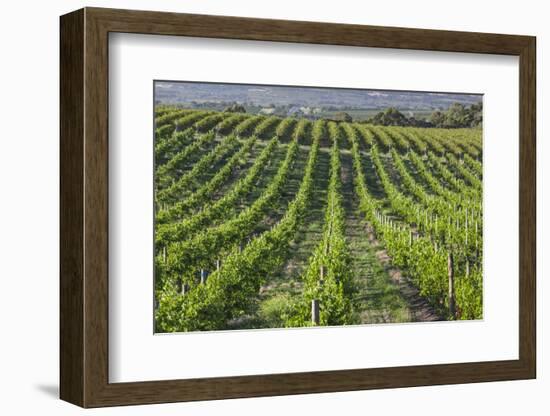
(185, 92)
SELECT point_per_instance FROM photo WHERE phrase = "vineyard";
(267, 222)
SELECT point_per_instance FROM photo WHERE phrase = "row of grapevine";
(248, 125)
(366, 135)
(401, 143)
(450, 226)
(455, 221)
(239, 189)
(328, 279)
(267, 127)
(432, 143)
(209, 122)
(229, 292)
(189, 119)
(228, 125)
(450, 179)
(185, 258)
(411, 186)
(166, 149)
(474, 165)
(173, 192)
(163, 133)
(417, 144)
(174, 141)
(215, 211)
(174, 168)
(437, 187)
(196, 200)
(383, 140)
(301, 131)
(472, 137)
(170, 116)
(464, 171)
(449, 145)
(335, 132)
(162, 109)
(285, 128)
(460, 142)
(424, 262)
(466, 146)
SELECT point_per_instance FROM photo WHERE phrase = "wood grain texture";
(96, 207)
(527, 207)
(71, 213)
(226, 27)
(84, 207)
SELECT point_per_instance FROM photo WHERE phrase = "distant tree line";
(340, 116)
(235, 108)
(457, 116)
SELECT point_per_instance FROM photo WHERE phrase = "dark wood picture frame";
(84, 207)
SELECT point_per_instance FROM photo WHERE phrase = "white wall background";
(29, 210)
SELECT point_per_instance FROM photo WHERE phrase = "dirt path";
(384, 295)
(287, 280)
(285, 284)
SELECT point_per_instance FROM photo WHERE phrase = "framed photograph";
(256, 207)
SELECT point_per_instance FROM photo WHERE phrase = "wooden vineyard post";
(315, 311)
(476, 234)
(450, 273)
(164, 254)
(218, 264)
(466, 227)
(204, 275)
(182, 287)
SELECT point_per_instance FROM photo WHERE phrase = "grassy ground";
(285, 285)
(379, 299)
